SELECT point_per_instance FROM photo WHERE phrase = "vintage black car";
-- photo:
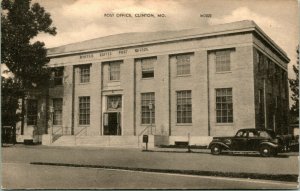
(263, 141)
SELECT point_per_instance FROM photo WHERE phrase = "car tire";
(265, 151)
(216, 149)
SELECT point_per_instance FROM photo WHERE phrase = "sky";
(78, 20)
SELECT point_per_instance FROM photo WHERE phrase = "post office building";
(175, 86)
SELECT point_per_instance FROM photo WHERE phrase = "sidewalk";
(207, 151)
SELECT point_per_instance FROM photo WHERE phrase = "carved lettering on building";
(107, 53)
(114, 53)
(143, 49)
(84, 56)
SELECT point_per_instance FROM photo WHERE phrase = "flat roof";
(143, 38)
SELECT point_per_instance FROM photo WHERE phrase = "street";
(18, 173)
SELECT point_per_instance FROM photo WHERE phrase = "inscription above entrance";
(112, 53)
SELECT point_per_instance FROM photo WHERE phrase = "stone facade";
(244, 80)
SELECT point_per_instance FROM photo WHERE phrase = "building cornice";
(249, 28)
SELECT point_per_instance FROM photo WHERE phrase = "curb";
(276, 177)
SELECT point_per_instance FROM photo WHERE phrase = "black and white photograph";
(150, 94)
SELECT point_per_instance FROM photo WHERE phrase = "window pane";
(32, 111)
(84, 110)
(184, 107)
(147, 115)
(57, 111)
(58, 75)
(224, 109)
(84, 74)
(147, 65)
(183, 64)
(114, 70)
(223, 60)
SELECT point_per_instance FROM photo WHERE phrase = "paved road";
(16, 168)
(23, 175)
(156, 160)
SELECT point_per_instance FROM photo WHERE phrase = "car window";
(264, 134)
(239, 134)
(252, 134)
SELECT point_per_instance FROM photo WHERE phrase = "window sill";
(84, 83)
(152, 78)
(224, 124)
(225, 72)
(84, 125)
(144, 125)
(184, 124)
(184, 75)
(57, 125)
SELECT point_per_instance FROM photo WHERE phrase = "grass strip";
(277, 177)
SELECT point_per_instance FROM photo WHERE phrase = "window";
(264, 134)
(57, 111)
(148, 108)
(257, 57)
(148, 67)
(183, 64)
(58, 76)
(224, 105)
(85, 74)
(265, 65)
(114, 102)
(114, 71)
(32, 111)
(259, 60)
(241, 134)
(252, 134)
(84, 110)
(184, 106)
(260, 96)
(261, 65)
(278, 103)
(223, 61)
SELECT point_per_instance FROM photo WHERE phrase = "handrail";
(144, 130)
(84, 128)
(59, 128)
(55, 134)
(79, 134)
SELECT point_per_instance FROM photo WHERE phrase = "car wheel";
(265, 151)
(216, 149)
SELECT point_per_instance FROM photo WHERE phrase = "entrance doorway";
(112, 123)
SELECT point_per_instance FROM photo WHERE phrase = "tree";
(294, 85)
(21, 22)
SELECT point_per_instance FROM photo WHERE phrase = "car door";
(252, 140)
(239, 141)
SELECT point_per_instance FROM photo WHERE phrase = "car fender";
(218, 143)
(269, 144)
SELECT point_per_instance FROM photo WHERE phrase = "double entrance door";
(112, 123)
